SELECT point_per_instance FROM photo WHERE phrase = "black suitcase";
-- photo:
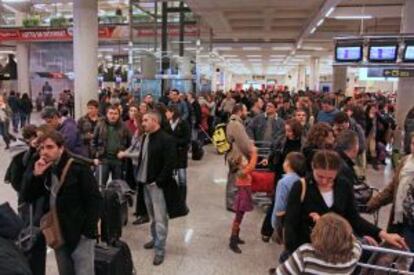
(113, 260)
(197, 151)
(111, 218)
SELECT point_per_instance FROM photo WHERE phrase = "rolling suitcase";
(196, 150)
(111, 218)
(113, 259)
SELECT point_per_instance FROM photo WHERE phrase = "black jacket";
(161, 158)
(347, 171)
(78, 202)
(298, 224)
(195, 114)
(182, 137)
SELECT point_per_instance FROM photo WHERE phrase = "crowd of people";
(319, 146)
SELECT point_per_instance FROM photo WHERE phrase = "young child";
(338, 254)
(243, 200)
(294, 167)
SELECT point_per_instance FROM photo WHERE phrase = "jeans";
(181, 176)
(4, 132)
(15, 121)
(113, 168)
(23, 119)
(157, 211)
(80, 262)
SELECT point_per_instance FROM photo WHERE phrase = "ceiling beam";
(321, 13)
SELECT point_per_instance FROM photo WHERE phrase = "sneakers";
(158, 260)
(149, 245)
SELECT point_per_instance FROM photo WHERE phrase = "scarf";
(406, 179)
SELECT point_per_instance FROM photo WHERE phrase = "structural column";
(314, 74)
(339, 78)
(405, 98)
(23, 61)
(301, 78)
(85, 51)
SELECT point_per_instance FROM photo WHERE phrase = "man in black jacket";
(347, 145)
(156, 163)
(78, 202)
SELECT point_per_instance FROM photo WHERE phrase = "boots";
(234, 245)
(240, 241)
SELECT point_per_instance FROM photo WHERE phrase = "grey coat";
(257, 126)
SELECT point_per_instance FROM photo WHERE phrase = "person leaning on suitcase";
(78, 202)
(155, 167)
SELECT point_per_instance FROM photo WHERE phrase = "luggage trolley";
(397, 261)
(263, 179)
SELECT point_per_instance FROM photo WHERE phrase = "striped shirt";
(305, 261)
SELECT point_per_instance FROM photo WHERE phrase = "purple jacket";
(73, 141)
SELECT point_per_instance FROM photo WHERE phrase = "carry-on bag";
(197, 151)
(114, 259)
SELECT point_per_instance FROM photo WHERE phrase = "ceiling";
(260, 36)
(272, 36)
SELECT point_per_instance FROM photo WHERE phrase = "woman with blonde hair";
(339, 253)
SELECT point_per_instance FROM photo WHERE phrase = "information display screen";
(383, 53)
(348, 53)
(409, 53)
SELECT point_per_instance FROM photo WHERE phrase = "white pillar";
(85, 51)
(23, 69)
(301, 78)
(339, 78)
(314, 74)
(405, 99)
(23, 61)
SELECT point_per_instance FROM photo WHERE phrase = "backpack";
(220, 139)
(408, 206)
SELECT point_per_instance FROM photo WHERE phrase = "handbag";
(49, 224)
(363, 193)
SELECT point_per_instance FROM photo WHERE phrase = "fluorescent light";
(7, 52)
(251, 48)
(255, 60)
(15, 1)
(281, 48)
(320, 22)
(313, 30)
(106, 50)
(230, 55)
(330, 11)
(277, 55)
(311, 48)
(223, 48)
(254, 55)
(353, 17)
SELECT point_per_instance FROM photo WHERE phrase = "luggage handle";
(386, 269)
(30, 235)
(388, 250)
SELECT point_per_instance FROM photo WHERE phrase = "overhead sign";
(398, 73)
(112, 32)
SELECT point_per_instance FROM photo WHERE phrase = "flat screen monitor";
(409, 53)
(349, 53)
(383, 53)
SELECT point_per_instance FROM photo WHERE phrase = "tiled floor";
(198, 243)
